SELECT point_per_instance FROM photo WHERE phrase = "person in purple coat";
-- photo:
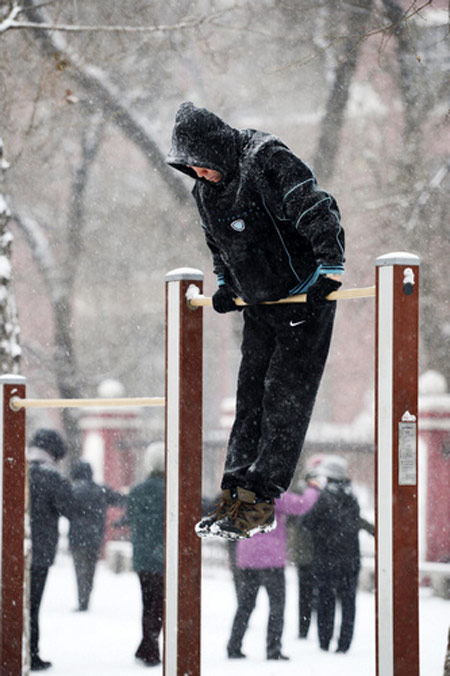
(261, 561)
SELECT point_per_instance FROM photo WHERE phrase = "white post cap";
(398, 258)
(12, 379)
(184, 273)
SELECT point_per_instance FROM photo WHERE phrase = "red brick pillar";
(434, 408)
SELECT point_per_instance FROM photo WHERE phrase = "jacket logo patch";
(238, 225)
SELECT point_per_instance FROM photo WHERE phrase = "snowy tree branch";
(433, 184)
(10, 351)
(91, 139)
(355, 39)
(10, 20)
(59, 294)
(193, 22)
(333, 119)
(114, 104)
(41, 251)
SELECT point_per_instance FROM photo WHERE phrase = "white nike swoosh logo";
(302, 321)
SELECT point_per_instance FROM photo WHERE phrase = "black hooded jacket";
(90, 503)
(334, 522)
(272, 231)
(50, 498)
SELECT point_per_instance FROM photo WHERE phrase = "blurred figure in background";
(301, 548)
(261, 561)
(145, 515)
(50, 498)
(87, 526)
(334, 523)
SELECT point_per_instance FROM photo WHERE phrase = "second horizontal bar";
(17, 403)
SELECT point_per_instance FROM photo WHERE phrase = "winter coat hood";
(201, 139)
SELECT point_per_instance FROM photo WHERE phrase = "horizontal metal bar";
(342, 294)
(17, 403)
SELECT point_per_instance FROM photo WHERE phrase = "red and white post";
(396, 486)
(184, 353)
(12, 526)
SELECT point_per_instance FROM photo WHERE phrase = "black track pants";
(250, 580)
(284, 351)
(306, 589)
(336, 582)
(152, 589)
(38, 577)
(85, 562)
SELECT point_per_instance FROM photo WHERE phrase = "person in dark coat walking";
(145, 515)
(272, 233)
(334, 523)
(87, 526)
(50, 498)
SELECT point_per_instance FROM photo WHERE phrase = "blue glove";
(223, 300)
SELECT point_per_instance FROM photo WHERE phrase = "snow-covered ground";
(102, 641)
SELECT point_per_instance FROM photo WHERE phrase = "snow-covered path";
(102, 641)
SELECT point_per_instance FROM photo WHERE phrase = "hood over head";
(201, 139)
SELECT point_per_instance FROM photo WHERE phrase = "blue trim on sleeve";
(333, 269)
(325, 199)
(299, 185)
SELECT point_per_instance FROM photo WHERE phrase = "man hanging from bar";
(273, 233)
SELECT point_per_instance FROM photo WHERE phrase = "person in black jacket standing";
(273, 233)
(334, 523)
(87, 526)
(50, 498)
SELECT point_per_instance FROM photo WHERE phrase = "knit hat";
(335, 468)
(155, 457)
(49, 441)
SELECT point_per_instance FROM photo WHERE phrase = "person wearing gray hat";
(334, 523)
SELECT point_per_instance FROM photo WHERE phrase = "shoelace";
(236, 508)
(221, 505)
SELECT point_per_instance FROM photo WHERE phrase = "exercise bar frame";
(396, 560)
(396, 465)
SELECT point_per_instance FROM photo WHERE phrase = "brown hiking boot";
(247, 516)
(203, 527)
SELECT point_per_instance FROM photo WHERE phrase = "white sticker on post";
(407, 445)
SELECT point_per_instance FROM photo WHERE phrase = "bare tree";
(358, 17)
(10, 350)
(113, 102)
(132, 218)
(60, 279)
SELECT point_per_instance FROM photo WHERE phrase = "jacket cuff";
(332, 269)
